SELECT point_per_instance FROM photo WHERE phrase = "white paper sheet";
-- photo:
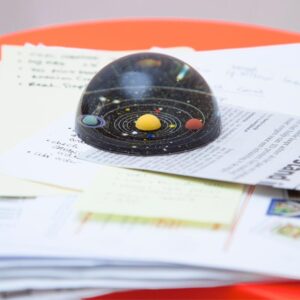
(267, 237)
(253, 148)
(53, 214)
(259, 78)
(55, 294)
(59, 222)
(39, 284)
(268, 155)
(61, 234)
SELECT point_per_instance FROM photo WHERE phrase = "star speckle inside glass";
(102, 98)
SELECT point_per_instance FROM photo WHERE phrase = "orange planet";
(148, 122)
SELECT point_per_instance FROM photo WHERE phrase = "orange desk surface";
(142, 34)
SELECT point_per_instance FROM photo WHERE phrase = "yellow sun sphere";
(148, 122)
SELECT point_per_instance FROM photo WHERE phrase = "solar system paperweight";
(147, 104)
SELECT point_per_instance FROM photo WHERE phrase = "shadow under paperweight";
(147, 104)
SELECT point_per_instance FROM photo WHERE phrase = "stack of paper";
(72, 226)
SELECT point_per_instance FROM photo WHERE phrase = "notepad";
(125, 192)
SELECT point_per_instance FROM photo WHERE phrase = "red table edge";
(57, 35)
(273, 291)
(167, 19)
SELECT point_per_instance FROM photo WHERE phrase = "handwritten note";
(55, 151)
(61, 68)
(255, 78)
(39, 84)
(127, 192)
(55, 67)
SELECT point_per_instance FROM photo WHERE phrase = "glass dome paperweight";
(147, 104)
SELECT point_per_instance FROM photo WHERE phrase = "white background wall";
(25, 14)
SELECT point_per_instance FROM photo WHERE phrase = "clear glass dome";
(147, 104)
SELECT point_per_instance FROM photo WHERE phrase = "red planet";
(194, 124)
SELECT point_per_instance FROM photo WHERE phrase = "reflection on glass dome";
(147, 104)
